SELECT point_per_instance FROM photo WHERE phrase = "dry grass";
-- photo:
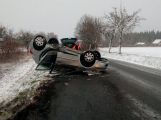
(11, 51)
(4, 58)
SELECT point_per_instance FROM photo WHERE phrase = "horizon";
(61, 17)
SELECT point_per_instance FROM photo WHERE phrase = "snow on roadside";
(146, 56)
(15, 79)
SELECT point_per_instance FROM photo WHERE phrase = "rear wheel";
(87, 59)
(39, 42)
(54, 42)
(97, 54)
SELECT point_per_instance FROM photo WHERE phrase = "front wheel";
(87, 59)
(39, 42)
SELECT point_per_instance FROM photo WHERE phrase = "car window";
(69, 42)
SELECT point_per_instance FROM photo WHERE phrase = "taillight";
(30, 51)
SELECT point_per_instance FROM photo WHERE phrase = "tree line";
(22, 37)
(12, 45)
(131, 39)
(147, 37)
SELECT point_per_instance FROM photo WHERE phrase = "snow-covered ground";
(16, 77)
(146, 56)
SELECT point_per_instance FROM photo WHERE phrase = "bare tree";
(122, 22)
(110, 35)
(89, 29)
(110, 28)
(3, 31)
(24, 37)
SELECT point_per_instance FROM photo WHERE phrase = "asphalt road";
(124, 92)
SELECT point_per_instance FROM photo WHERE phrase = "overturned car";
(50, 52)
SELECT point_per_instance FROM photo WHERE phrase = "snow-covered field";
(146, 56)
(17, 77)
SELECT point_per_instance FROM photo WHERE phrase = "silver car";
(49, 52)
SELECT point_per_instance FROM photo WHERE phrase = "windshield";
(69, 42)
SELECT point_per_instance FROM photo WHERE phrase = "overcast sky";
(61, 16)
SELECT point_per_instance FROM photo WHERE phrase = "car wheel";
(97, 54)
(87, 59)
(39, 42)
(54, 43)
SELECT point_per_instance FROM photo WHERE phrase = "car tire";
(54, 43)
(39, 42)
(97, 54)
(87, 59)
